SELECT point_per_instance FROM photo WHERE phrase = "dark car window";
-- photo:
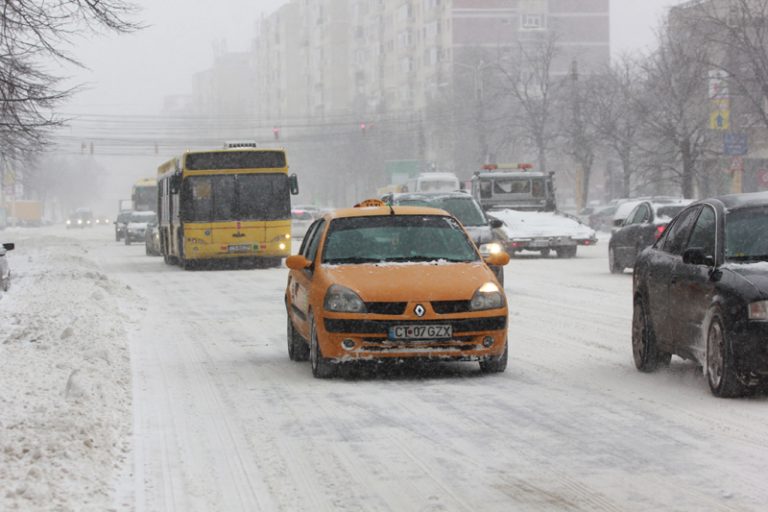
(677, 236)
(704, 232)
(744, 234)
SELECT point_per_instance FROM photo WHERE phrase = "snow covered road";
(223, 420)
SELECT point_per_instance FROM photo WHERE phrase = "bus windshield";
(236, 197)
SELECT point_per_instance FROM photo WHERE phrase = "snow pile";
(521, 224)
(65, 384)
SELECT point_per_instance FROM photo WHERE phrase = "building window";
(532, 22)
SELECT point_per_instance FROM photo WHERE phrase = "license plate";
(241, 248)
(540, 243)
(420, 332)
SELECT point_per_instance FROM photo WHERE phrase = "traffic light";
(276, 132)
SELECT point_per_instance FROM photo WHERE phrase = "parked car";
(135, 229)
(80, 218)
(626, 206)
(642, 227)
(5, 270)
(391, 283)
(466, 210)
(152, 240)
(701, 292)
(121, 223)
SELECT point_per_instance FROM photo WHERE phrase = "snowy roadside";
(65, 381)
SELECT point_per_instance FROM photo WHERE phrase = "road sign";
(720, 120)
(735, 144)
(718, 84)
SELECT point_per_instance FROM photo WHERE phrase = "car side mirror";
(618, 222)
(294, 184)
(9, 247)
(498, 259)
(496, 224)
(697, 256)
(297, 262)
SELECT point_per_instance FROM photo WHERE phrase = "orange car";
(377, 282)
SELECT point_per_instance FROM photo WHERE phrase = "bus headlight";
(282, 246)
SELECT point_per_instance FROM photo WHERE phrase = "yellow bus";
(225, 204)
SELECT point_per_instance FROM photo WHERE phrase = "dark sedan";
(641, 228)
(701, 292)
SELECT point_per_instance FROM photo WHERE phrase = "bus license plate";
(420, 332)
(240, 248)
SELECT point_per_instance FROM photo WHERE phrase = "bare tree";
(618, 116)
(32, 32)
(528, 80)
(736, 33)
(674, 104)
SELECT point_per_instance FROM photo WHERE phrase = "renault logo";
(419, 310)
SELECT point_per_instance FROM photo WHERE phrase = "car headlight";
(491, 248)
(79, 221)
(758, 310)
(487, 297)
(343, 300)
(69, 222)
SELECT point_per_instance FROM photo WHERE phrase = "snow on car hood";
(755, 273)
(518, 224)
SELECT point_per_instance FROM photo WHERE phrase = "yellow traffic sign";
(720, 120)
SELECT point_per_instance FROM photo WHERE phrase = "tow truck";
(524, 200)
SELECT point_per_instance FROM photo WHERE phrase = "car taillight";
(660, 230)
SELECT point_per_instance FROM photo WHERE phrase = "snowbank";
(65, 383)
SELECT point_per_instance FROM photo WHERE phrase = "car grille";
(451, 306)
(495, 323)
(386, 308)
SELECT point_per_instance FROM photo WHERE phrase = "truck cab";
(515, 187)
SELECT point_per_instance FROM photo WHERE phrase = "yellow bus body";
(193, 241)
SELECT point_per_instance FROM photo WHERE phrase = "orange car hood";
(388, 282)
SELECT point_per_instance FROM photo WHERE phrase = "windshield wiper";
(751, 257)
(427, 258)
(351, 260)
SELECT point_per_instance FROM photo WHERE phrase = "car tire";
(298, 350)
(566, 252)
(117, 236)
(321, 367)
(613, 264)
(721, 372)
(644, 348)
(127, 240)
(496, 364)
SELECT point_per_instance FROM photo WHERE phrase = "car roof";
(737, 201)
(385, 210)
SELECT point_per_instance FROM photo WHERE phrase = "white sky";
(132, 73)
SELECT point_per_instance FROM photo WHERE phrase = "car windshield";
(741, 226)
(236, 197)
(397, 238)
(465, 209)
(143, 217)
(668, 211)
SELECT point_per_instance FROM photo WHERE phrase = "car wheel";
(298, 350)
(496, 364)
(721, 374)
(545, 253)
(117, 236)
(321, 367)
(615, 265)
(566, 252)
(644, 349)
(127, 240)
